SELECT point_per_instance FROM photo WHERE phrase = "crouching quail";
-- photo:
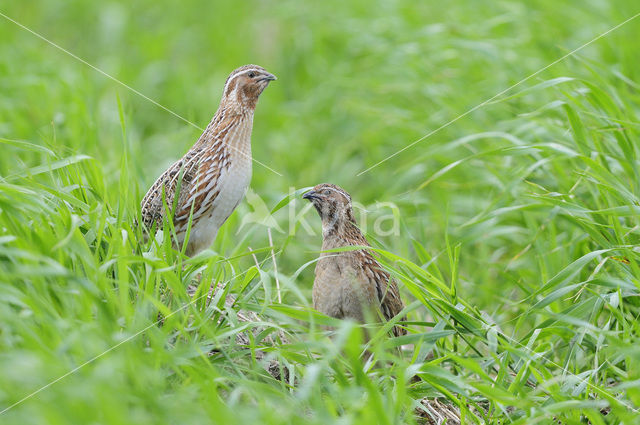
(349, 284)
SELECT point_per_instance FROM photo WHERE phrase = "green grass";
(518, 232)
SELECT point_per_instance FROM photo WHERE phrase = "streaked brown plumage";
(215, 173)
(349, 284)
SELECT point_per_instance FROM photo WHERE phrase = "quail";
(211, 179)
(349, 284)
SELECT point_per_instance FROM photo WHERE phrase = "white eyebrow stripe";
(233, 77)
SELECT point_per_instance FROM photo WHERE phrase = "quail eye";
(252, 74)
(326, 192)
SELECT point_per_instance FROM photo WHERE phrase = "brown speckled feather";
(152, 207)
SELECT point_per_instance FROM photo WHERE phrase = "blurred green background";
(510, 207)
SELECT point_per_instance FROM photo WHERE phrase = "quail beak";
(310, 195)
(268, 77)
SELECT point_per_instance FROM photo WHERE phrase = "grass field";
(513, 231)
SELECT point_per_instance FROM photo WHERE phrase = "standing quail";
(215, 173)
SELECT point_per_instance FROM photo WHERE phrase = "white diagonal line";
(72, 371)
(57, 46)
(499, 94)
